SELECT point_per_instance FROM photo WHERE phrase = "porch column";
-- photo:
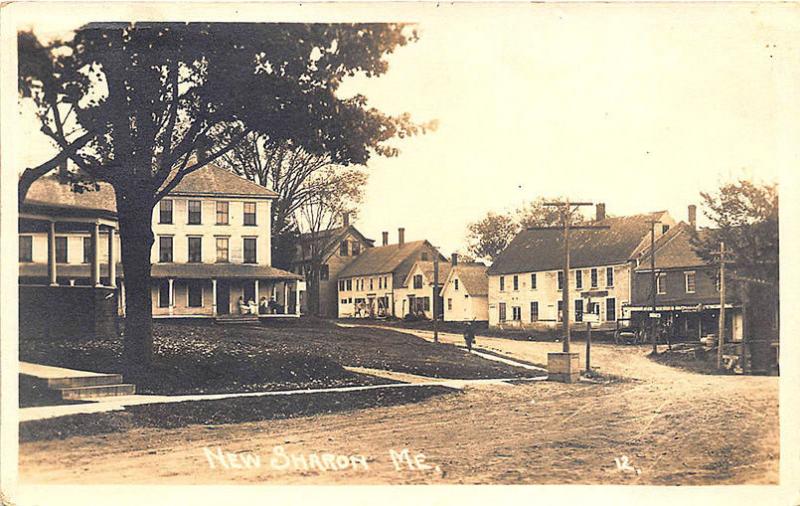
(96, 255)
(297, 297)
(122, 297)
(171, 296)
(51, 254)
(214, 297)
(112, 259)
(255, 283)
(285, 297)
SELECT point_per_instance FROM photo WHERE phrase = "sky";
(641, 107)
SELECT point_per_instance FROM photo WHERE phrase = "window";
(163, 293)
(690, 281)
(501, 308)
(223, 250)
(87, 250)
(417, 281)
(250, 214)
(342, 285)
(515, 282)
(349, 284)
(356, 247)
(578, 279)
(534, 311)
(25, 248)
(426, 303)
(194, 290)
(222, 213)
(560, 310)
(611, 309)
(516, 313)
(578, 310)
(371, 281)
(455, 283)
(195, 212)
(502, 283)
(449, 304)
(664, 229)
(324, 273)
(165, 249)
(609, 277)
(424, 257)
(61, 250)
(593, 308)
(343, 248)
(560, 280)
(593, 276)
(165, 212)
(195, 249)
(533, 281)
(661, 279)
(249, 250)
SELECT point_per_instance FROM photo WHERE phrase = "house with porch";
(687, 298)
(367, 286)
(526, 280)
(211, 251)
(417, 292)
(335, 248)
(465, 292)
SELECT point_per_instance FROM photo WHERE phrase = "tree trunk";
(136, 236)
(313, 289)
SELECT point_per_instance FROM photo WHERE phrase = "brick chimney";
(401, 236)
(385, 238)
(600, 212)
(454, 259)
(346, 219)
(693, 216)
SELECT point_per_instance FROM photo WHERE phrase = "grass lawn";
(202, 357)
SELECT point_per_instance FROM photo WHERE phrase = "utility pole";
(721, 303)
(435, 297)
(568, 209)
(653, 282)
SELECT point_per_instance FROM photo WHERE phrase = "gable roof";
(473, 276)
(426, 267)
(673, 250)
(384, 259)
(330, 240)
(535, 250)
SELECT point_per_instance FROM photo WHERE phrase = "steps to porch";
(233, 319)
(74, 385)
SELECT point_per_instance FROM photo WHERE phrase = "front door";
(223, 297)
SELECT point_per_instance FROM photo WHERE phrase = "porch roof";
(183, 271)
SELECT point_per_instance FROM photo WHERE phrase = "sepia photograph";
(399, 244)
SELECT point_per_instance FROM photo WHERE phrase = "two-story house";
(526, 280)
(211, 249)
(367, 285)
(335, 249)
(687, 298)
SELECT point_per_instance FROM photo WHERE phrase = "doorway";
(223, 297)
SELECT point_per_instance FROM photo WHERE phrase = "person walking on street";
(469, 336)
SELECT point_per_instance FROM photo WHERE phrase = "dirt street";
(658, 426)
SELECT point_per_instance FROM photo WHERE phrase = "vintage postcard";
(339, 244)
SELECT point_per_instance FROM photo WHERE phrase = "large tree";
(151, 95)
(745, 219)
